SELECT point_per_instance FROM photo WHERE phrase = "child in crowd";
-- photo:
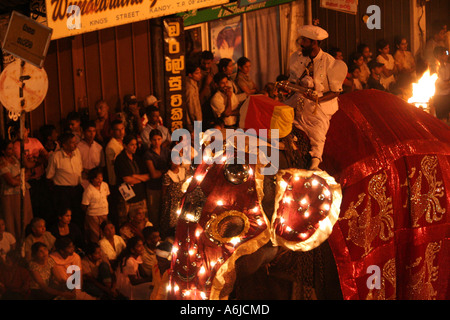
(95, 204)
(74, 123)
(151, 240)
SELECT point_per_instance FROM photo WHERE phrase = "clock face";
(34, 86)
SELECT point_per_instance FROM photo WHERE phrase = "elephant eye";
(230, 227)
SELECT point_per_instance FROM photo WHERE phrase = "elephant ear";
(307, 205)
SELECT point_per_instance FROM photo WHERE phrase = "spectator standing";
(95, 203)
(193, 105)
(131, 177)
(64, 169)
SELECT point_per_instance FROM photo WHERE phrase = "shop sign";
(200, 16)
(71, 17)
(347, 6)
(174, 71)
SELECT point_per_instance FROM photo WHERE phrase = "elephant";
(390, 236)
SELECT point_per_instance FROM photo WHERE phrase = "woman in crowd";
(131, 175)
(65, 227)
(41, 270)
(111, 244)
(406, 66)
(38, 233)
(10, 192)
(130, 283)
(134, 226)
(389, 69)
(243, 80)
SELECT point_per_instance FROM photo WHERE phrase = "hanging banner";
(174, 71)
(245, 3)
(347, 6)
(199, 16)
(71, 17)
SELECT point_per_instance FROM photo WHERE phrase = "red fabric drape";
(392, 161)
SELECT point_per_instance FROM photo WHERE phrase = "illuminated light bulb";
(303, 235)
(191, 252)
(224, 158)
(234, 241)
(190, 217)
(202, 270)
(304, 201)
(326, 192)
(203, 295)
(250, 171)
(314, 183)
(283, 184)
(199, 177)
(296, 178)
(287, 199)
(178, 212)
(212, 264)
(255, 209)
(288, 229)
(174, 250)
(176, 288)
(306, 214)
(197, 233)
(326, 207)
(259, 222)
(187, 293)
(220, 203)
(281, 220)
(169, 287)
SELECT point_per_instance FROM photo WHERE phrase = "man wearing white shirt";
(64, 169)
(224, 103)
(320, 72)
(91, 151)
(153, 117)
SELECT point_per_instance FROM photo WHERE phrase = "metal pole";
(22, 152)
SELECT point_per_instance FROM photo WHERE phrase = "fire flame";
(423, 90)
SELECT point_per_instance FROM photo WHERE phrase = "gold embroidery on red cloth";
(364, 228)
(389, 274)
(427, 203)
(420, 283)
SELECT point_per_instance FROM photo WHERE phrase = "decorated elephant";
(372, 225)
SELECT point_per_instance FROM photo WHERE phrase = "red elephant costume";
(390, 238)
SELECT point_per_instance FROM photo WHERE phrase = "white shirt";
(329, 75)
(389, 64)
(108, 249)
(96, 200)
(91, 155)
(218, 104)
(113, 148)
(65, 170)
(145, 134)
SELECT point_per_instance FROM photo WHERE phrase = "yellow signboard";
(71, 17)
